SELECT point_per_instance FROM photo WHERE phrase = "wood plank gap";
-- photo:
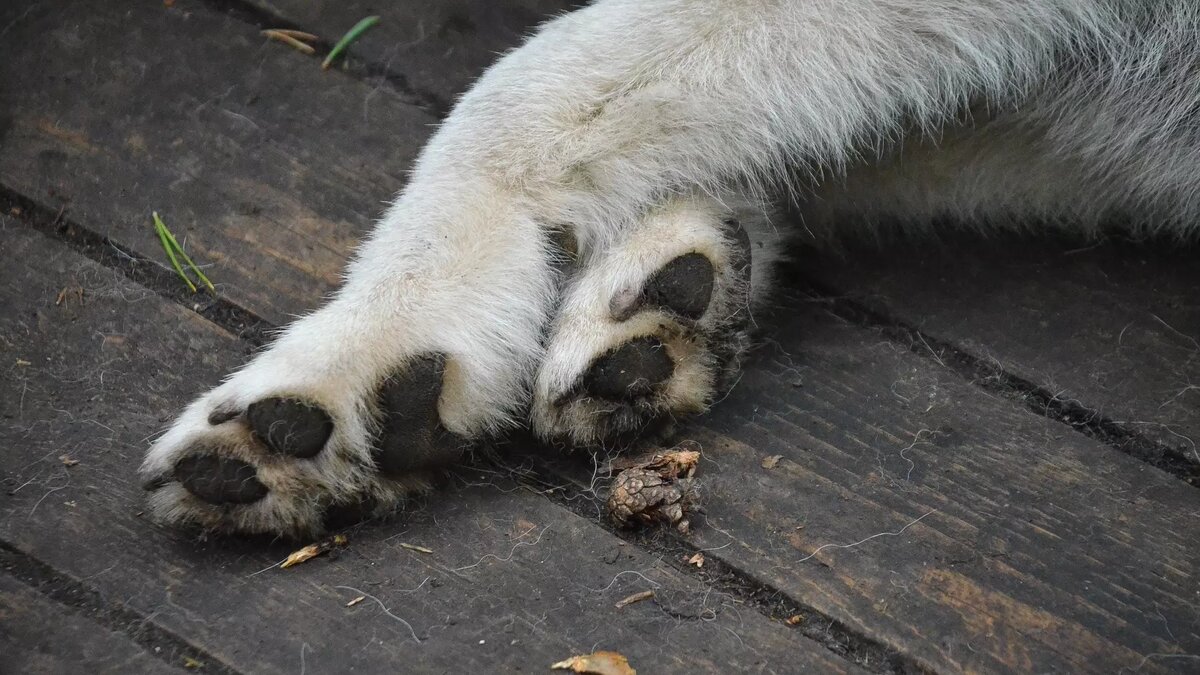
(158, 642)
(350, 64)
(562, 488)
(995, 380)
(58, 226)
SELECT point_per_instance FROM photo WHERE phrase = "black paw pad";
(683, 286)
(220, 480)
(413, 436)
(290, 426)
(629, 371)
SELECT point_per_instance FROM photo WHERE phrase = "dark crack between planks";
(351, 64)
(674, 549)
(58, 225)
(995, 380)
(158, 642)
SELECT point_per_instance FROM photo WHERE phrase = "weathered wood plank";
(39, 637)
(438, 48)
(252, 154)
(1111, 328)
(514, 581)
(956, 527)
(962, 530)
(959, 529)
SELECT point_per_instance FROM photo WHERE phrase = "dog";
(581, 244)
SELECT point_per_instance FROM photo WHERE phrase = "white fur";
(1073, 112)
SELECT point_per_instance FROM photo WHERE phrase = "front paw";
(265, 454)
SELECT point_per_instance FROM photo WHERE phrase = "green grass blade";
(165, 237)
(203, 279)
(186, 257)
(350, 36)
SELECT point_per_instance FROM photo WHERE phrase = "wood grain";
(40, 638)
(962, 530)
(1111, 328)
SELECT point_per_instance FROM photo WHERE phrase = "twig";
(636, 597)
(292, 40)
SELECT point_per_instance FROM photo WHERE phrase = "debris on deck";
(597, 663)
(655, 487)
(313, 550)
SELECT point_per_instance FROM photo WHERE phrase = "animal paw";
(653, 328)
(278, 450)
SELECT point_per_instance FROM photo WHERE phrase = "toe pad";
(290, 426)
(631, 370)
(220, 480)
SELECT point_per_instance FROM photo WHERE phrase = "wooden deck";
(988, 449)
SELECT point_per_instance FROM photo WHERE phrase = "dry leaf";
(189, 662)
(313, 550)
(597, 663)
(794, 619)
(636, 597)
(414, 547)
(697, 560)
(356, 601)
(771, 462)
(23, 362)
(298, 34)
(67, 293)
(673, 463)
(297, 557)
(67, 460)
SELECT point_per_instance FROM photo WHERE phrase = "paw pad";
(220, 480)
(290, 426)
(629, 371)
(683, 286)
(413, 436)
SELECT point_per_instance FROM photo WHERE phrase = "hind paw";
(652, 329)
